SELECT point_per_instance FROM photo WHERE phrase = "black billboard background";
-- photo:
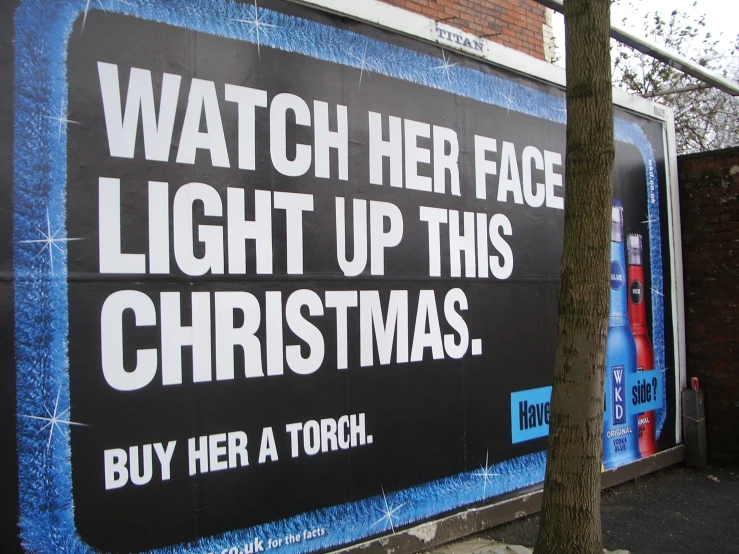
(429, 419)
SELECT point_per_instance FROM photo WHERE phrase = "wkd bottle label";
(617, 275)
(637, 292)
(618, 397)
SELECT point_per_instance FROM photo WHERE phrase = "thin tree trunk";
(570, 517)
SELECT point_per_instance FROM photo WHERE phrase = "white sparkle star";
(49, 241)
(364, 63)
(87, 9)
(562, 110)
(54, 419)
(257, 25)
(649, 220)
(445, 65)
(485, 474)
(388, 513)
(655, 291)
(62, 117)
(510, 99)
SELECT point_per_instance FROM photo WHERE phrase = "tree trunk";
(570, 516)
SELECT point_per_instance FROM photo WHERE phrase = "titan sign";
(273, 279)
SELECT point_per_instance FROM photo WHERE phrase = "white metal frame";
(386, 16)
(676, 255)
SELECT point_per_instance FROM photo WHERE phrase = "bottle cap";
(633, 249)
(617, 222)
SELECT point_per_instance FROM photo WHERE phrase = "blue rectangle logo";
(644, 392)
(530, 410)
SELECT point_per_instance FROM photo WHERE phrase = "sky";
(721, 17)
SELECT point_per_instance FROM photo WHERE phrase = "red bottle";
(638, 319)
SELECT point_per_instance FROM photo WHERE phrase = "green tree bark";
(570, 516)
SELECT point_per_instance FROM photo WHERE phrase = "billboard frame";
(537, 70)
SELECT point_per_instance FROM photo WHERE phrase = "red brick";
(518, 21)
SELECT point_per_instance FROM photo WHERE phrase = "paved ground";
(674, 511)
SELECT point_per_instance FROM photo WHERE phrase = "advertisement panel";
(277, 280)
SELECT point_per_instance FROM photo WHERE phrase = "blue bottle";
(620, 430)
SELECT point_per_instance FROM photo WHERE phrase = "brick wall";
(709, 209)
(514, 23)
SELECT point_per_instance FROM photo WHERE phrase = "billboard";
(274, 279)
